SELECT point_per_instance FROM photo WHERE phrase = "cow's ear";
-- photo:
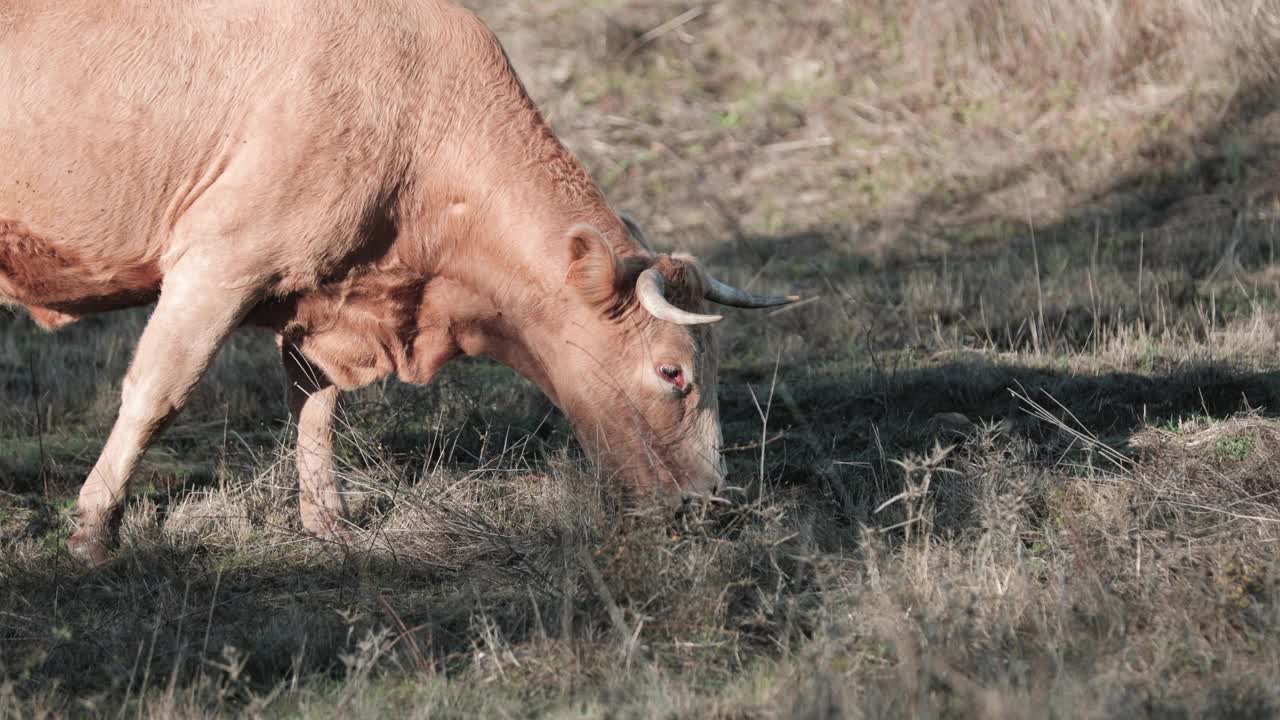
(593, 268)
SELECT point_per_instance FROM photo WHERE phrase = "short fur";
(366, 177)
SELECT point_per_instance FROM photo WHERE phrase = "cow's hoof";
(338, 544)
(337, 536)
(91, 546)
(328, 529)
(335, 539)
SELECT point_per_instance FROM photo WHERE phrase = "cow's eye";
(673, 374)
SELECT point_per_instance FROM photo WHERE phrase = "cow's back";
(108, 110)
(115, 117)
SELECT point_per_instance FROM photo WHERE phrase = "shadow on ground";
(899, 351)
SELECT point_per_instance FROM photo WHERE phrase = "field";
(1016, 455)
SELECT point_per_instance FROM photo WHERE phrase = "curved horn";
(718, 292)
(650, 288)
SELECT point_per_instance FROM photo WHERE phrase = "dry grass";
(874, 115)
(1020, 452)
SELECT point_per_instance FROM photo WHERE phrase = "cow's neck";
(503, 242)
(495, 201)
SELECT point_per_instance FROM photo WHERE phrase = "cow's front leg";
(313, 401)
(199, 306)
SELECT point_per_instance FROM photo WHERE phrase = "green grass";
(1233, 447)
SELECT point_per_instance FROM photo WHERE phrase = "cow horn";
(650, 289)
(718, 292)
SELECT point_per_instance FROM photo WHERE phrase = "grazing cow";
(367, 178)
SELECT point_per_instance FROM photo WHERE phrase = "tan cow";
(366, 177)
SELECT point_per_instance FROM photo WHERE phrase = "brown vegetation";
(1018, 456)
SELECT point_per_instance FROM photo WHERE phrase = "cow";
(368, 179)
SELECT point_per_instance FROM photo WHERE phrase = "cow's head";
(638, 372)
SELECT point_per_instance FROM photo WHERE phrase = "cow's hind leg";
(313, 401)
(201, 303)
